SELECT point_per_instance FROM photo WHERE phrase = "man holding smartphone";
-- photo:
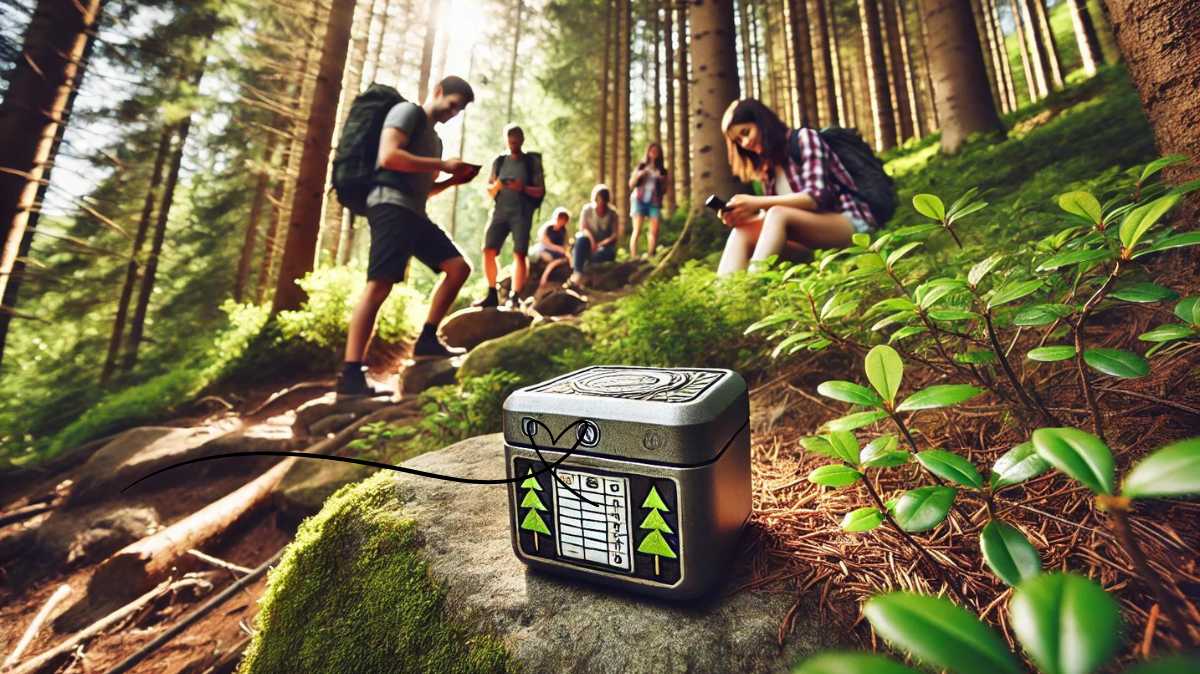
(409, 160)
(516, 184)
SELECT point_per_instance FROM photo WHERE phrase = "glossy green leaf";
(849, 392)
(885, 370)
(846, 446)
(896, 255)
(863, 519)
(1139, 221)
(915, 230)
(1172, 470)
(891, 305)
(1075, 257)
(850, 663)
(857, 420)
(1116, 362)
(1012, 292)
(906, 332)
(983, 268)
(976, 357)
(1188, 310)
(939, 634)
(883, 452)
(790, 341)
(951, 315)
(1050, 354)
(770, 321)
(1167, 243)
(834, 475)
(819, 444)
(1168, 333)
(924, 508)
(1008, 553)
(938, 395)
(930, 293)
(1041, 314)
(1143, 293)
(1017, 465)
(861, 239)
(1082, 204)
(957, 214)
(897, 317)
(1067, 624)
(1079, 454)
(950, 466)
(1159, 164)
(930, 206)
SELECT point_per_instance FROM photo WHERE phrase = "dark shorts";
(500, 227)
(398, 234)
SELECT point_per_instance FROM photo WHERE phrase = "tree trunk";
(131, 268)
(603, 100)
(964, 101)
(899, 70)
(1158, 41)
(1085, 37)
(988, 48)
(39, 87)
(432, 17)
(712, 51)
(748, 70)
(377, 55)
(756, 52)
(877, 75)
(624, 90)
(1104, 31)
(805, 73)
(669, 61)
(844, 115)
(310, 184)
(1010, 88)
(685, 111)
(909, 75)
(825, 47)
(927, 79)
(1048, 42)
(863, 103)
(261, 183)
(1031, 88)
(1039, 60)
(769, 53)
(614, 101)
(512, 66)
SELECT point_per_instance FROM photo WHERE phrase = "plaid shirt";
(821, 175)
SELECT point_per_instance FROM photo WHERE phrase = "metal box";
(657, 491)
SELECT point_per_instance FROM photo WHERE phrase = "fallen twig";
(36, 625)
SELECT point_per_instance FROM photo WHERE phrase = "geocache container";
(657, 492)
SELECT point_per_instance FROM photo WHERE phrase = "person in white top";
(599, 231)
(551, 246)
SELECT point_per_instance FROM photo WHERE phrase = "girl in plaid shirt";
(808, 201)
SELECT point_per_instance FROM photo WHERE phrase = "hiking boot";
(489, 301)
(354, 385)
(430, 346)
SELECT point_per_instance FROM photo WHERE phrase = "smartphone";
(717, 204)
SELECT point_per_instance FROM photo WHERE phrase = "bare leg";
(738, 247)
(520, 271)
(362, 321)
(652, 242)
(634, 234)
(807, 228)
(456, 272)
(551, 265)
(489, 266)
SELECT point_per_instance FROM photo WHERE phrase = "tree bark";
(1039, 61)
(712, 52)
(825, 48)
(805, 72)
(310, 184)
(987, 46)
(755, 52)
(899, 70)
(624, 138)
(910, 74)
(603, 100)
(1049, 43)
(614, 101)
(512, 66)
(432, 17)
(1158, 41)
(748, 70)
(1085, 37)
(261, 183)
(685, 111)
(39, 87)
(377, 55)
(964, 101)
(771, 71)
(877, 75)
(1104, 31)
(844, 115)
(1001, 54)
(927, 73)
(669, 61)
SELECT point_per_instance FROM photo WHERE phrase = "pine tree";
(654, 543)
(533, 521)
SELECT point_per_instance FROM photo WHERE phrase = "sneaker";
(355, 386)
(489, 301)
(432, 347)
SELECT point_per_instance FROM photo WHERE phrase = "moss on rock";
(529, 354)
(353, 594)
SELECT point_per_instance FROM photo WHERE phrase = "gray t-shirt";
(510, 202)
(600, 226)
(407, 116)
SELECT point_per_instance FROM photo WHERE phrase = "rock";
(422, 374)
(615, 275)
(527, 353)
(111, 533)
(306, 486)
(536, 268)
(131, 455)
(443, 552)
(78, 536)
(328, 405)
(560, 302)
(467, 328)
(332, 423)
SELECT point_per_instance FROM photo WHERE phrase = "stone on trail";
(527, 353)
(560, 302)
(69, 537)
(615, 275)
(472, 591)
(468, 328)
(419, 375)
(306, 486)
(313, 411)
(131, 455)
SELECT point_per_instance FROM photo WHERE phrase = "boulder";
(615, 275)
(306, 486)
(131, 455)
(467, 328)
(67, 538)
(560, 302)
(528, 353)
(536, 268)
(328, 405)
(436, 556)
(422, 374)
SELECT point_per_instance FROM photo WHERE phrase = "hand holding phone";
(717, 204)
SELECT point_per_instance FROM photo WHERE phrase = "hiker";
(409, 160)
(551, 247)
(517, 186)
(649, 184)
(599, 231)
(808, 201)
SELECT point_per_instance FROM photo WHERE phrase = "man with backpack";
(518, 187)
(407, 161)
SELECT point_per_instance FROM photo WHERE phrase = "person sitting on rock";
(599, 231)
(409, 159)
(517, 185)
(649, 184)
(810, 198)
(551, 247)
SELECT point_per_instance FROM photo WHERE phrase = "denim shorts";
(646, 209)
(860, 226)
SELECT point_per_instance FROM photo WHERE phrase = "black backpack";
(354, 163)
(532, 159)
(871, 184)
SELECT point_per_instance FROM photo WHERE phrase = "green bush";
(332, 293)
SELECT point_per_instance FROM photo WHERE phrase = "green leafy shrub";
(332, 294)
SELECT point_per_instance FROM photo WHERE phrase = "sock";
(428, 331)
(352, 368)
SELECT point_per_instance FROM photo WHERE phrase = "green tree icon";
(533, 521)
(654, 543)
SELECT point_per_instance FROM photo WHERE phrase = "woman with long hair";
(809, 198)
(599, 232)
(649, 185)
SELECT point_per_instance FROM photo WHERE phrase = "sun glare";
(463, 24)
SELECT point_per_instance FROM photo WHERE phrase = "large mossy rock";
(467, 328)
(527, 353)
(397, 571)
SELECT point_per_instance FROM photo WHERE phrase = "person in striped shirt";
(808, 199)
